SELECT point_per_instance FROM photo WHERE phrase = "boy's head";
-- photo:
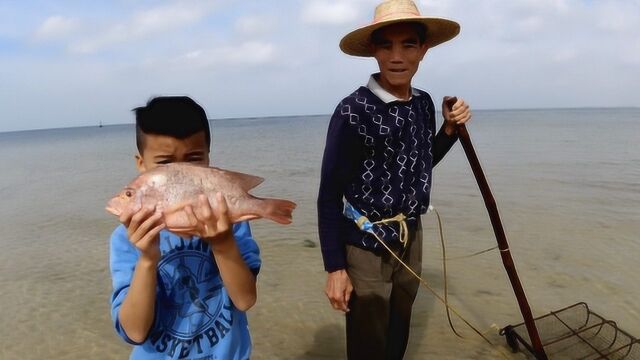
(171, 129)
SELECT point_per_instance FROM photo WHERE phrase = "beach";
(565, 181)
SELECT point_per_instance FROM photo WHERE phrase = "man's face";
(398, 51)
(162, 149)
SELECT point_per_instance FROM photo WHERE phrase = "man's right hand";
(339, 289)
(143, 227)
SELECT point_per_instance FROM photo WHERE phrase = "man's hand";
(211, 221)
(339, 289)
(143, 227)
(459, 114)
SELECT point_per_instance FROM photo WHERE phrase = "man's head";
(398, 48)
(171, 129)
(437, 30)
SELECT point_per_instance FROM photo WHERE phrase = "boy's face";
(398, 53)
(163, 149)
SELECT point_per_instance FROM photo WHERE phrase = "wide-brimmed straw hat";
(439, 30)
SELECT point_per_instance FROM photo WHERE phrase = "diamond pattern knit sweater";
(379, 157)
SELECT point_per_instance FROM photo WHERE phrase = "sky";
(78, 63)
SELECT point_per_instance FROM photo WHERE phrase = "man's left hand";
(459, 114)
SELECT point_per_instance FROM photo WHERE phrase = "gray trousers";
(380, 306)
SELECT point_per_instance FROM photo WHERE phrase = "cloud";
(435, 7)
(144, 24)
(565, 56)
(510, 53)
(329, 12)
(248, 53)
(255, 25)
(55, 27)
(618, 17)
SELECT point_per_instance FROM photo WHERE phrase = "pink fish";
(173, 186)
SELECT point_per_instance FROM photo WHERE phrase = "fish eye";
(128, 193)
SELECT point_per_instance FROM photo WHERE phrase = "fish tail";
(278, 210)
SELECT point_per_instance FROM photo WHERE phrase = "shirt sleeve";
(123, 257)
(442, 142)
(341, 154)
(247, 246)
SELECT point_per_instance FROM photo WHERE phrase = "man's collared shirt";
(383, 94)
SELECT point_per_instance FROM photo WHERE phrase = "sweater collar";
(383, 94)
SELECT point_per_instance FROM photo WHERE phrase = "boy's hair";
(421, 31)
(175, 116)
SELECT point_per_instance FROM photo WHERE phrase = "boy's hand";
(459, 114)
(211, 221)
(143, 227)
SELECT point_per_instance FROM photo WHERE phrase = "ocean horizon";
(586, 108)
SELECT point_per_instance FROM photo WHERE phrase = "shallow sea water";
(566, 184)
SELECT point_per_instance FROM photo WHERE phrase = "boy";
(181, 297)
(380, 150)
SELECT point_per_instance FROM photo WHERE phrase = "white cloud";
(255, 25)
(565, 55)
(249, 53)
(329, 12)
(545, 6)
(435, 7)
(531, 24)
(56, 27)
(144, 24)
(618, 17)
(510, 53)
(166, 18)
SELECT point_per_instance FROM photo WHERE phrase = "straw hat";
(439, 30)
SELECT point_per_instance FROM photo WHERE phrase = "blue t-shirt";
(194, 318)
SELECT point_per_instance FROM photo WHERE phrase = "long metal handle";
(503, 245)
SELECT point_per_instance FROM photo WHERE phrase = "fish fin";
(177, 220)
(247, 217)
(246, 181)
(278, 210)
(183, 232)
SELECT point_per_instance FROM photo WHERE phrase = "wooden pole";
(503, 245)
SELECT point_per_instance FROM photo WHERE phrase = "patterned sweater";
(378, 156)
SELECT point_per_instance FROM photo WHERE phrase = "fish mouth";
(113, 211)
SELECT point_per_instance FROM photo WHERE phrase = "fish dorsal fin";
(246, 181)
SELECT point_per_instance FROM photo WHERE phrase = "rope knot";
(401, 219)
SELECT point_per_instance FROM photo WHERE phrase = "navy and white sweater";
(379, 157)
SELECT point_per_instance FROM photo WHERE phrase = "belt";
(366, 225)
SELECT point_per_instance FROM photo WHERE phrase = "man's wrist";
(450, 130)
(338, 272)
